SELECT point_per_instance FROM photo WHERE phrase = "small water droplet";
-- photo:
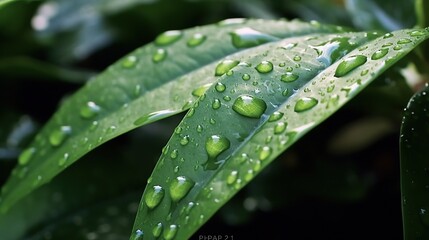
(417, 33)
(275, 116)
(220, 87)
(246, 77)
(58, 136)
(178, 130)
(388, 35)
(212, 121)
(248, 37)
(404, 41)
(199, 128)
(170, 232)
(196, 40)
(289, 46)
(232, 177)
(249, 175)
(297, 58)
(285, 92)
(89, 110)
(26, 156)
(179, 188)
(397, 47)
(364, 72)
(330, 88)
(185, 140)
(174, 154)
(168, 37)
(176, 169)
(154, 196)
(231, 21)
(264, 67)
(63, 160)
(280, 127)
(137, 235)
(165, 149)
(379, 54)
(289, 77)
(216, 104)
(224, 66)
(129, 61)
(215, 145)
(159, 55)
(93, 126)
(264, 153)
(349, 64)
(249, 106)
(154, 116)
(198, 92)
(305, 103)
(227, 98)
(157, 230)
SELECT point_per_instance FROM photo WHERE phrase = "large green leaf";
(415, 167)
(151, 83)
(276, 94)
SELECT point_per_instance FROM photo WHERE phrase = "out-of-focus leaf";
(415, 167)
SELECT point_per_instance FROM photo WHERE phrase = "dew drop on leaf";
(388, 35)
(89, 110)
(184, 141)
(216, 104)
(417, 33)
(404, 41)
(180, 186)
(305, 103)
(249, 106)
(196, 40)
(159, 55)
(26, 156)
(58, 136)
(224, 66)
(246, 77)
(168, 37)
(137, 235)
(220, 87)
(174, 153)
(264, 67)
(264, 153)
(170, 232)
(157, 230)
(397, 47)
(63, 159)
(275, 116)
(129, 62)
(215, 145)
(154, 196)
(289, 77)
(289, 46)
(379, 54)
(349, 65)
(280, 127)
(297, 58)
(248, 37)
(232, 177)
(199, 128)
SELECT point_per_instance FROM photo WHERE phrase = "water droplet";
(154, 196)
(280, 127)
(220, 87)
(180, 186)
(264, 67)
(157, 230)
(305, 103)
(198, 92)
(424, 216)
(63, 160)
(174, 154)
(289, 46)
(159, 55)
(129, 61)
(224, 66)
(289, 77)
(231, 21)
(170, 232)
(364, 72)
(38, 180)
(184, 140)
(275, 116)
(232, 177)
(379, 54)
(178, 130)
(227, 98)
(165, 149)
(168, 37)
(417, 33)
(246, 77)
(349, 64)
(297, 58)
(404, 41)
(93, 126)
(26, 155)
(200, 128)
(330, 88)
(189, 207)
(154, 116)
(137, 235)
(196, 40)
(285, 92)
(264, 153)
(397, 47)
(216, 104)
(215, 145)
(212, 121)
(249, 175)
(58, 136)
(249, 106)
(89, 110)
(247, 37)
(388, 35)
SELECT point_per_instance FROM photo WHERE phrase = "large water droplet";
(249, 106)
(220, 87)
(224, 66)
(170, 232)
(58, 136)
(379, 53)
(129, 62)
(247, 37)
(26, 155)
(168, 37)
(349, 65)
(305, 103)
(157, 230)
(154, 196)
(159, 55)
(215, 145)
(89, 110)
(180, 186)
(264, 67)
(196, 40)
(289, 77)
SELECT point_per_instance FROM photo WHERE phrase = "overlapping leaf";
(151, 83)
(276, 93)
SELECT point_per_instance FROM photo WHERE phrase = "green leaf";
(153, 82)
(276, 93)
(414, 142)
